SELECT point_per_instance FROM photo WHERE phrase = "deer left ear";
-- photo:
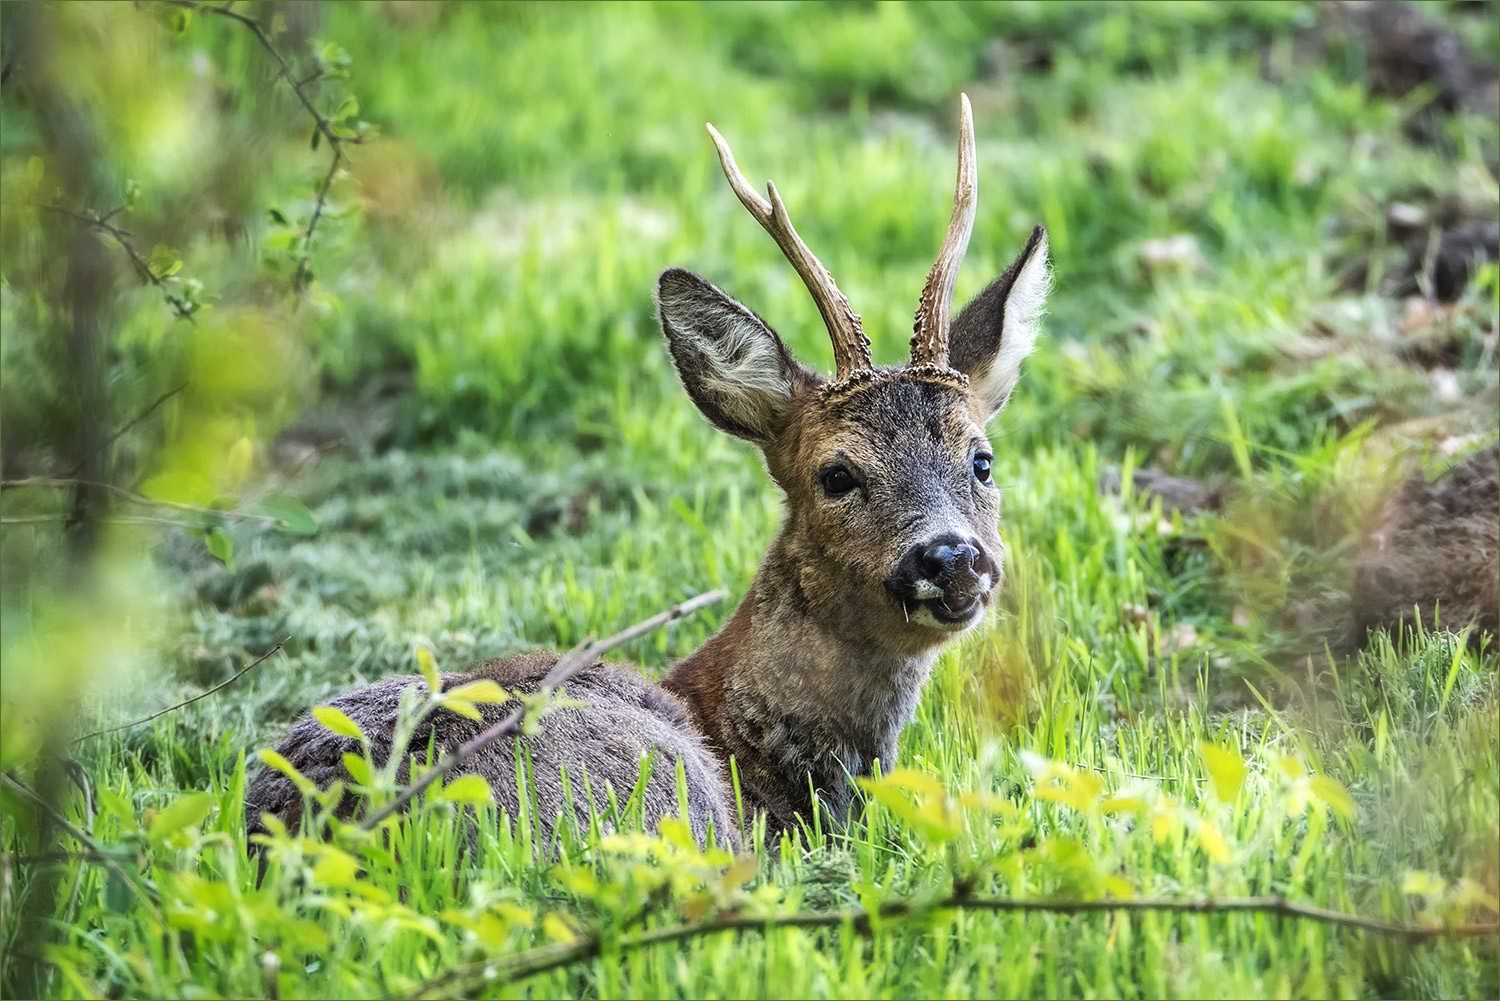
(999, 327)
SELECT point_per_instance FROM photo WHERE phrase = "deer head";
(892, 526)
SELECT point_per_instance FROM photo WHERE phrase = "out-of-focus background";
(333, 325)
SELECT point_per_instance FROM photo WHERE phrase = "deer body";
(890, 549)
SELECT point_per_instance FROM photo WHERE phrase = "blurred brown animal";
(890, 549)
(1435, 553)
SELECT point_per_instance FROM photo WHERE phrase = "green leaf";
(463, 707)
(483, 690)
(467, 789)
(292, 513)
(240, 454)
(119, 807)
(1333, 795)
(165, 261)
(221, 546)
(347, 109)
(333, 54)
(336, 868)
(35, 171)
(1226, 769)
(178, 488)
(357, 767)
(274, 760)
(185, 812)
(337, 721)
(1423, 884)
(428, 666)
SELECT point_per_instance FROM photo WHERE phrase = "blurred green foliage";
(516, 466)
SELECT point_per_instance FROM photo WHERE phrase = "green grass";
(541, 477)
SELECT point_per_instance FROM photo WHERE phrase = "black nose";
(946, 561)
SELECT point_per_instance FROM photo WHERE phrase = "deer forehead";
(898, 421)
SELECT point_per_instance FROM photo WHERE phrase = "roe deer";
(889, 550)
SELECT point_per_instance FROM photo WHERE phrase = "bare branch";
(534, 961)
(567, 665)
(64, 483)
(187, 702)
(150, 409)
(182, 307)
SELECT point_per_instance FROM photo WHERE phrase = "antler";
(851, 348)
(929, 344)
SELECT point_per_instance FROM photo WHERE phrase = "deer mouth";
(949, 610)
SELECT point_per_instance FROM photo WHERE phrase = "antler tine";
(851, 348)
(929, 343)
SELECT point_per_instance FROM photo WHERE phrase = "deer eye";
(837, 480)
(982, 467)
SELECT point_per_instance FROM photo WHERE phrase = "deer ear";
(733, 366)
(999, 327)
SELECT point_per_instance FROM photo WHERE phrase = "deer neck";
(791, 691)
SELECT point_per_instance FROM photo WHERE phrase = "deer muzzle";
(947, 578)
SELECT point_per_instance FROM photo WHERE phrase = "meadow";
(327, 401)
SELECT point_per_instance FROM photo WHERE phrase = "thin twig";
(62, 482)
(127, 519)
(182, 307)
(540, 960)
(163, 398)
(321, 123)
(187, 702)
(567, 665)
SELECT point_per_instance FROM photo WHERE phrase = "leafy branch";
(329, 129)
(162, 266)
(569, 664)
(540, 960)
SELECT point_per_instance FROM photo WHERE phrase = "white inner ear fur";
(1023, 322)
(742, 368)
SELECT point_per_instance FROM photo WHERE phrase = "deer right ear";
(999, 327)
(733, 366)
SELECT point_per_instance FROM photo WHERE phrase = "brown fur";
(1434, 552)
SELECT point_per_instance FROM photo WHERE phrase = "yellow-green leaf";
(1335, 796)
(1226, 769)
(337, 721)
(428, 666)
(1289, 766)
(741, 871)
(357, 767)
(918, 782)
(483, 690)
(282, 765)
(557, 929)
(335, 868)
(463, 707)
(1213, 843)
(1122, 804)
(468, 789)
(676, 832)
(188, 811)
(1423, 884)
(240, 454)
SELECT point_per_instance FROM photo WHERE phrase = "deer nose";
(946, 561)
